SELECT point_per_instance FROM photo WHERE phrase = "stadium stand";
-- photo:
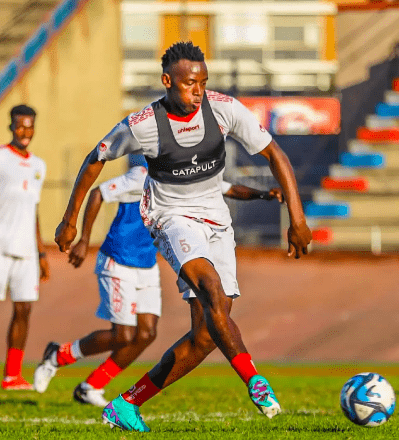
(366, 182)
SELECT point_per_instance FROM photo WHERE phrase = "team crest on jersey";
(103, 147)
(38, 175)
(112, 187)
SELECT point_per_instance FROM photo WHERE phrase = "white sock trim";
(75, 350)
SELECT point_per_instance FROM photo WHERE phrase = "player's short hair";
(23, 110)
(183, 50)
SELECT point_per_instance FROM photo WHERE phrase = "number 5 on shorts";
(185, 247)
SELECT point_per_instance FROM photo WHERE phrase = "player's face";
(23, 128)
(185, 86)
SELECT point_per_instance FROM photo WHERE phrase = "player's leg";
(210, 282)
(23, 282)
(185, 354)
(128, 343)
(16, 341)
(179, 360)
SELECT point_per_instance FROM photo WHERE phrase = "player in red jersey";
(22, 257)
(182, 136)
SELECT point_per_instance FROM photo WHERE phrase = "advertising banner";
(296, 115)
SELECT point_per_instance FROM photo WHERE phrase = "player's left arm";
(242, 192)
(43, 261)
(299, 235)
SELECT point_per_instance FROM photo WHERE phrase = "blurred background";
(321, 76)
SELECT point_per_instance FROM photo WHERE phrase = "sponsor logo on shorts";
(188, 129)
(116, 295)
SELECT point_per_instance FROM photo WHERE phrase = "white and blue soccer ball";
(368, 399)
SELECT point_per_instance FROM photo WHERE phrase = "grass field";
(210, 403)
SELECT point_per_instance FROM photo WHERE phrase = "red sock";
(102, 375)
(64, 355)
(244, 366)
(14, 361)
(141, 392)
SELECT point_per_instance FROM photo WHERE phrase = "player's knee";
(147, 335)
(203, 343)
(22, 310)
(125, 336)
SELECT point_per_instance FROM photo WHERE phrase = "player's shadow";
(18, 401)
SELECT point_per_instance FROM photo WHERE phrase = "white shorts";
(126, 291)
(21, 277)
(181, 239)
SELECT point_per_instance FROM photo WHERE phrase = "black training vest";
(182, 165)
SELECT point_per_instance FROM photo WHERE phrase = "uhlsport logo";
(188, 129)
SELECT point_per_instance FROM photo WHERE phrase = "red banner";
(296, 115)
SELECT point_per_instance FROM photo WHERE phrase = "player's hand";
(299, 237)
(276, 193)
(44, 269)
(78, 253)
(64, 236)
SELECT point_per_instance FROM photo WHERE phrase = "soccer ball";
(368, 399)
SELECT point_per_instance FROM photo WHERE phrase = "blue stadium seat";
(362, 160)
(326, 210)
(387, 110)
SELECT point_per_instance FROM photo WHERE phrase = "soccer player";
(182, 136)
(129, 287)
(22, 257)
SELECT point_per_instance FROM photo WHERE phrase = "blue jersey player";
(129, 287)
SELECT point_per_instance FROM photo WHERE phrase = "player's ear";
(11, 126)
(166, 81)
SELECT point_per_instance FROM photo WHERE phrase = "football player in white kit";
(182, 136)
(22, 258)
(129, 284)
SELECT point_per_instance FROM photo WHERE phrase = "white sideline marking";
(172, 417)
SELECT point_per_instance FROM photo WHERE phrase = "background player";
(21, 249)
(129, 287)
(182, 136)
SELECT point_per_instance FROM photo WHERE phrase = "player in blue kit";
(182, 136)
(129, 287)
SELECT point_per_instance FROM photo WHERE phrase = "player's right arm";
(66, 230)
(118, 142)
(79, 251)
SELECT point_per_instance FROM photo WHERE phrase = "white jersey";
(126, 188)
(203, 200)
(21, 180)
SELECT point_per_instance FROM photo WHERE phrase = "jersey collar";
(183, 118)
(18, 153)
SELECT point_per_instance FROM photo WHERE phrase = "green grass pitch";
(210, 403)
